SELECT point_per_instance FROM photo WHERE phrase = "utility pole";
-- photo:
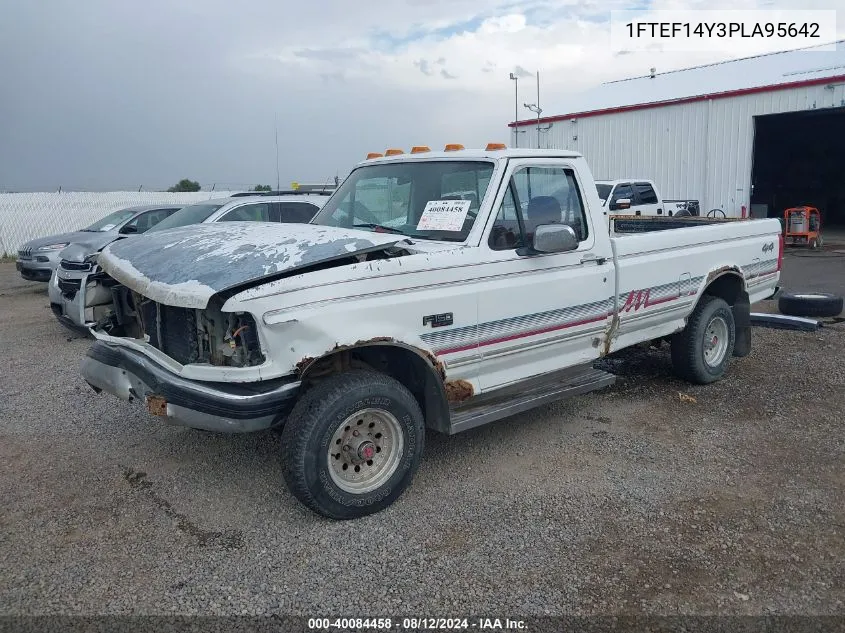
(535, 107)
(515, 109)
(276, 128)
(539, 110)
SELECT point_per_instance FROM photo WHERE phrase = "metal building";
(753, 135)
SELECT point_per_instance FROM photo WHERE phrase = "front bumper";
(37, 265)
(219, 407)
(57, 305)
(64, 320)
(78, 299)
(32, 270)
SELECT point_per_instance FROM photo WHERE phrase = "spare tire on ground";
(810, 304)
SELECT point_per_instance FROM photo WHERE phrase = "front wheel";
(701, 351)
(352, 444)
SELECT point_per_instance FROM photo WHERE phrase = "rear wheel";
(352, 444)
(702, 350)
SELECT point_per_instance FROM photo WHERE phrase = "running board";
(527, 395)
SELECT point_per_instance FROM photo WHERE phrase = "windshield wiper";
(382, 227)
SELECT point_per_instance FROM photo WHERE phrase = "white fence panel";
(27, 216)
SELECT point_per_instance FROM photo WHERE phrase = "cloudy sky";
(112, 94)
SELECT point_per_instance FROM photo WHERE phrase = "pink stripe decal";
(513, 337)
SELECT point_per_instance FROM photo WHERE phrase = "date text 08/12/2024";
(416, 624)
(669, 30)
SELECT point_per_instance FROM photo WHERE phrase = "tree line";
(186, 185)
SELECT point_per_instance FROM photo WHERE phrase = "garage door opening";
(799, 159)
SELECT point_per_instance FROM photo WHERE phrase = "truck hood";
(186, 266)
(80, 249)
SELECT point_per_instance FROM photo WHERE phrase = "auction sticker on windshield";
(444, 215)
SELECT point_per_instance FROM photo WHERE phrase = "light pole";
(535, 108)
(515, 80)
(538, 111)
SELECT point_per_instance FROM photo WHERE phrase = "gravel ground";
(633, 500)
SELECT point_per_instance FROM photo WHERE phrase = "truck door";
(541, 312)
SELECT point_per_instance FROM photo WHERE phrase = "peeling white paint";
(188, 294)
(186, 266)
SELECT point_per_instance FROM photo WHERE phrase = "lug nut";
(355, 433)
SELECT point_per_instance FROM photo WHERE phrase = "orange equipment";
(802, 226)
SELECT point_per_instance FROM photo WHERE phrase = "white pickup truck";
(404, 308)
(639, 196)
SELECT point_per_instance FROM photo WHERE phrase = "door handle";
(593, 258)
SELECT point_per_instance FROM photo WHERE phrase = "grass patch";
(7, 259)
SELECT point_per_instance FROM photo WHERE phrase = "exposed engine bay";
(208, 336)
(186, 335)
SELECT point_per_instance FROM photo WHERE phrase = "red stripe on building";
(805, 83)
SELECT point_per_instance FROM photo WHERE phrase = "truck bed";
(632, 224)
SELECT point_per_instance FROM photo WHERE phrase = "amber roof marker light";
(492, 147)
(393, 152)
(372, 155)
(420, 149)
(453, 147)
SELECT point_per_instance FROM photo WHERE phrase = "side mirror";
(128, 229)
(554, 238)
(622, 203)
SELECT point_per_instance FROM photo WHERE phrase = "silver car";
(37, 259)
(78, 296)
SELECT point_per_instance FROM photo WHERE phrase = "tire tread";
(307, 414)
(684, 349)
(824, 305)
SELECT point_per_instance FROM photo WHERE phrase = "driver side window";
(535, 196)
(248, 213)
(622, 192)
(146, 221)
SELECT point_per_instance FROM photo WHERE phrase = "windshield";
(112, 220)
(604, 191)
(435, 200)
(193, 214)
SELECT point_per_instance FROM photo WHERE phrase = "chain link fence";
(27, 216)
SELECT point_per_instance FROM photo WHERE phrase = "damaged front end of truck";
(171, 340)
(170, 294)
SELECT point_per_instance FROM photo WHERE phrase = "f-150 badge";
(438, 320)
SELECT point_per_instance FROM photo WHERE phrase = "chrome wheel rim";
(715, 341)
(365, 451)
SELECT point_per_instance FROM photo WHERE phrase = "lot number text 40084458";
(416, 624)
